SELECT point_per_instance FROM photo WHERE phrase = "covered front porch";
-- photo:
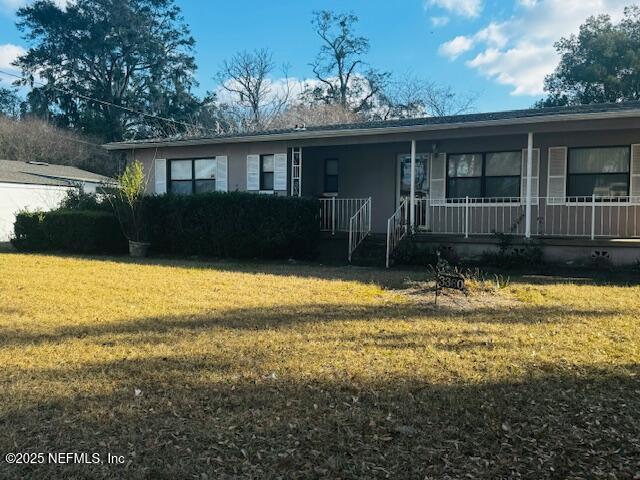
(400, 188)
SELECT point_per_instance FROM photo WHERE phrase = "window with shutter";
(189, 176)
(491, 175)
(267, 169)
(600, 171)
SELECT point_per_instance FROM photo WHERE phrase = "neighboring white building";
(38, 186)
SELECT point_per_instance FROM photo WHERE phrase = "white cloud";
(8, 54)
(465, 8)
(493, 35)
(519, 52)
(11, 4)
(439, 21)
(456, 47)
(277, 87)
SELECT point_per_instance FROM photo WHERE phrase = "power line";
(104, 102)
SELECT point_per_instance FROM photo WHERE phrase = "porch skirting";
(573, 251)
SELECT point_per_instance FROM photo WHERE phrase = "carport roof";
(41, 173)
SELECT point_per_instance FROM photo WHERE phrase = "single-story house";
(39, 186)
(569, 176)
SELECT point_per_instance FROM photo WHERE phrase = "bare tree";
(413, 97)
(339, 68)
(315, 115)
(31, 139)
(256, 99)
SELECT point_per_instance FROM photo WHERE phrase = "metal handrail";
(359, 227)
(335, 213)
(397, 229)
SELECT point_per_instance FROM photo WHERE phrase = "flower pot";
(138, 249)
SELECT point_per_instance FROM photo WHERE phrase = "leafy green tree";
(600, 64)
(130, 53)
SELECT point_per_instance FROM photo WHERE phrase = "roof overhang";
(354, 132)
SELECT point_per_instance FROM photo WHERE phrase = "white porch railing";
(397, 229)
(590, 217)
(335, 212)
(359, 226)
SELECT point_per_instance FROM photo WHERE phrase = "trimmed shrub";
(78, 199)
(29, 233)
(238, 225)
(75, 231)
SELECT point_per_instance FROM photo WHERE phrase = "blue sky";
(500, 50)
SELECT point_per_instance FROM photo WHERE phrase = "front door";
(422, 183)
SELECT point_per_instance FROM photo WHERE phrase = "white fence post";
(333, 215)
(593, 217)
(466, 217)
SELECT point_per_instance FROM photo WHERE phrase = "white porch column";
(527, 214)
(412, 198)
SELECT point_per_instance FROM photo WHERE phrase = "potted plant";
(127, 205)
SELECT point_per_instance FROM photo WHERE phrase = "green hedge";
(76, 231)
(238, 225)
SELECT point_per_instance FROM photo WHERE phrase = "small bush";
(410, 252)
(528, 254)
(29, 232)
(238, 225)
(75, 231)
(78, 199)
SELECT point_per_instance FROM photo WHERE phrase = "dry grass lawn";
(236, 370)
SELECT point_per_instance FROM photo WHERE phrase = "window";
(598, 171)
(181, 177)
(484, 175)
(192, 176)
(205, 176)
(266, 172)
(464, 176)
(502, 174)
(331, 175)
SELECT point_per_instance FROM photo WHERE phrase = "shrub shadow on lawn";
(256, 319)
(394, 278)
(553, 424)
(303, 269)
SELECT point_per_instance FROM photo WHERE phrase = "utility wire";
(104, 102)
